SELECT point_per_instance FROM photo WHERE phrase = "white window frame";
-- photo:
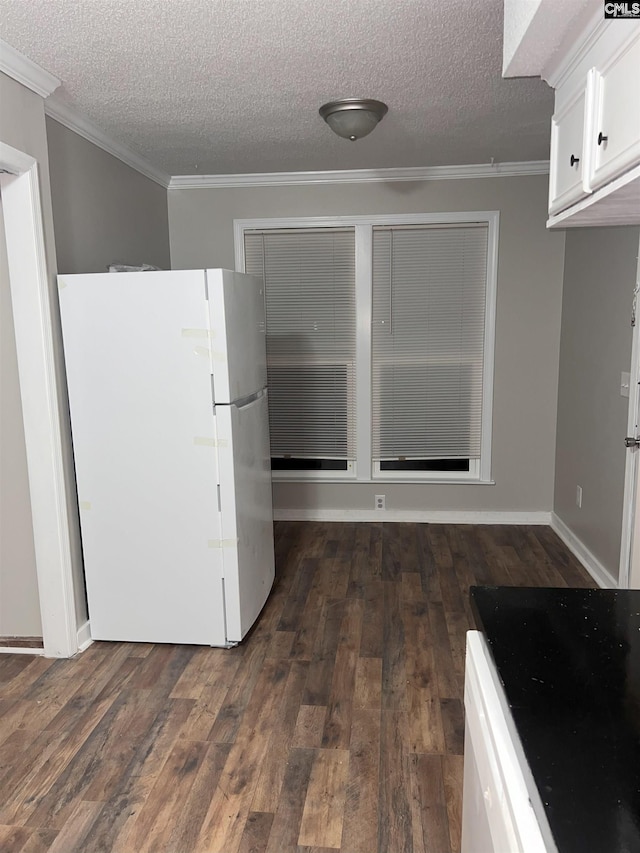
(364, 470)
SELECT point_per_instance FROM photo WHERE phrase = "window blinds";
(309, 277)
(429, 290)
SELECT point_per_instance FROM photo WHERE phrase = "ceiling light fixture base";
(353, 118)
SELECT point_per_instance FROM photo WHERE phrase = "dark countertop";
(569, 662)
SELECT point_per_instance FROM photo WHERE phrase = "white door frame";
(629, 573)
(29, 280)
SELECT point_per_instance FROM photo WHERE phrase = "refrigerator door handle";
(248, 401)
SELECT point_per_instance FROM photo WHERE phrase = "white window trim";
(470, 476)
(364, 311)
(363, 468)
(348, 476)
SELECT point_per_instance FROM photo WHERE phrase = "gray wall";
(19, 601)
(103, 210)
(22, 126)
(528, 322)
(600, 274)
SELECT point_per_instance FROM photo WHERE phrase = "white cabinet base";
(501, 808)
(617, 203)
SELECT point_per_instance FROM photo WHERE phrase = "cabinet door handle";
(602, 138)
(574, 160)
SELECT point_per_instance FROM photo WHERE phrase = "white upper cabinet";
(594, 66)
(567, 160)
(615, 133)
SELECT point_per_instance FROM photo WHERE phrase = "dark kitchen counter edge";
(568, 661)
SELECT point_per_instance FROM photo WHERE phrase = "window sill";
(442, 481)
(472, 481)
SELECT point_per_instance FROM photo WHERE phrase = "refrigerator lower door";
(238, 349)
(247, 513)
(144, 447)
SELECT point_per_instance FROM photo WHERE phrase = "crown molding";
(565, 61)
(18, 66)
(71, 118)
(361, 176)
(29, 74)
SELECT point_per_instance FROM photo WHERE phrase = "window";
(380, 334)
(429, 284)
(311, 322)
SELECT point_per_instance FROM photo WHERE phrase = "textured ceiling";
(234, 86)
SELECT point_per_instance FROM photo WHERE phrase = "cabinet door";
(567, 161)
(497, 800)
(615, 135)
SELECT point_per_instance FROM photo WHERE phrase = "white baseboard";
(20, 650)
(422, 516)
(591, 563)
(84, 636)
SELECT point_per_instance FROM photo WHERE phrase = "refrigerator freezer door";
(247, 516)
(238, 354)
(136, 351)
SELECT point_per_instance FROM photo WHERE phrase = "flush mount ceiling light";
(353, 118)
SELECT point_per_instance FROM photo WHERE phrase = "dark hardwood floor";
(336, 725)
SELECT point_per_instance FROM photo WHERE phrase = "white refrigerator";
(167, 390)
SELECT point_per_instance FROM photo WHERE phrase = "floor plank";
(452, 767)
(428, 805)
(274, 765)
(256, 833)
(360, 828)
(394, 806)
(231, 802)
(337, 725)
(309, 727)
(323, 814)
(76, 828)
(286, 822)
(188, 823)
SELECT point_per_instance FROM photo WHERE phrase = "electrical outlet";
(625, 383)
(380, 501)
(579, 497)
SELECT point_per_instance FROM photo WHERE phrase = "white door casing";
(29, 280)
(629, 574)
